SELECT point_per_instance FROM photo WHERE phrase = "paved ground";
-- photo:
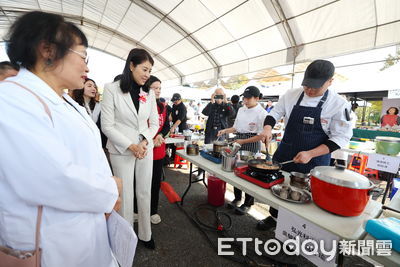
(180, 243)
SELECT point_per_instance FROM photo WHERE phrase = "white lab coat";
(61, 167)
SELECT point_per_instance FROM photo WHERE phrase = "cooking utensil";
(218, 145)
(192, 149)
(339, 190)
(263, 166)
(242, 157)
(387, 145)
(300, 180)
(228, 163)
(290, 194)
(286, 162)
(235, 148)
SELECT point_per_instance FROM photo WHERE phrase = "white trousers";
(129, 168)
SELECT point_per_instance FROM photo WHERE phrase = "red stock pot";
(340, 191)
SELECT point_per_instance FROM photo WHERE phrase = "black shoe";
(266, 224)
(233, 204)
(179, 166)
(149, 244)
(242, 210)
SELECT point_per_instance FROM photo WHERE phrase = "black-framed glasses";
(83, 55)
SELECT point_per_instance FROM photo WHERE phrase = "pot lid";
(220, 143)
(341, 177)
(388, 139)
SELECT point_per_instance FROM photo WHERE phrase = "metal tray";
(304, 198)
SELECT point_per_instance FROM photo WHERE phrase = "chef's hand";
(158, 140)
(220, 132)
(239, 141)
(266, 134)
(303, 157)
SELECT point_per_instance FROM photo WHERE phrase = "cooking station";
(348, 228)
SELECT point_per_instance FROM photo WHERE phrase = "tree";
(392, 59)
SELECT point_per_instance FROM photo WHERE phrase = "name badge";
(308, 120)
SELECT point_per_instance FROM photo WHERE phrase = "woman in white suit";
(130, 120)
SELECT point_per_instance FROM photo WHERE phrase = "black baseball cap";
(317, 73)
(176, 97)
(250, 92)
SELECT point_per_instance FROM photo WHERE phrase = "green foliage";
(372, 113)
(392, 59)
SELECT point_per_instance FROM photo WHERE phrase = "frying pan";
(271, 167)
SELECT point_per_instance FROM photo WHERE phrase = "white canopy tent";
(197, 40)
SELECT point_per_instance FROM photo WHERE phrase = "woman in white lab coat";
(129, 118)
(43, 133)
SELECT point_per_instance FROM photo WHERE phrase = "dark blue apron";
(303, 132)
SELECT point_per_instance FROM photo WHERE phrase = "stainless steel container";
(228, 163)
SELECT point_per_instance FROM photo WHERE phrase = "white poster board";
(292, 226)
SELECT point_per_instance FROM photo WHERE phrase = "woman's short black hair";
(395, 112)
(136, 56)
(29, 30)
(147, 86)
(77, 95)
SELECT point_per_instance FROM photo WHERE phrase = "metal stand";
(389, 183)
(191, 181)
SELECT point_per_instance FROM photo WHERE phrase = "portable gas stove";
(260, 179)
(210, 155)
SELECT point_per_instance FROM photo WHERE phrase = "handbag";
(13, 257)
(16, 258)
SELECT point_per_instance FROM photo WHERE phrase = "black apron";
(252, 147)
(303, 132)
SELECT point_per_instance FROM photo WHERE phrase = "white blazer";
(122, 124)
(61, 167)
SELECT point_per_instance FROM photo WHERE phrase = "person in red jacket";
(159, 148)
(391, 118)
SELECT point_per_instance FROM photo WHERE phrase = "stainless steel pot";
(228, 163)
(192, 150)
(242, 157)
(218, 145)
(300, 180)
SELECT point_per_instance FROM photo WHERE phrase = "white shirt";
(250, 120)
(96, 111)
(333, 118)
(61, 167)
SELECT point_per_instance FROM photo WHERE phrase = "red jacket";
(159, 152)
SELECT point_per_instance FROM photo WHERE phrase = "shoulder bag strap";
(40, 208)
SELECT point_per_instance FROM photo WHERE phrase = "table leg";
(189, 185)
(191, 181)
(204, 179)
(388, 186)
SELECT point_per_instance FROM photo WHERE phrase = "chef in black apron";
(248, 125)
(318, 123)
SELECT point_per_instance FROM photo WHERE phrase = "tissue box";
(385, 229)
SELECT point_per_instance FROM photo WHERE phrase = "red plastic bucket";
(216, 191)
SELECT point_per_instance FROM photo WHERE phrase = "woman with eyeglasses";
(129, 119)
(44, 173)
